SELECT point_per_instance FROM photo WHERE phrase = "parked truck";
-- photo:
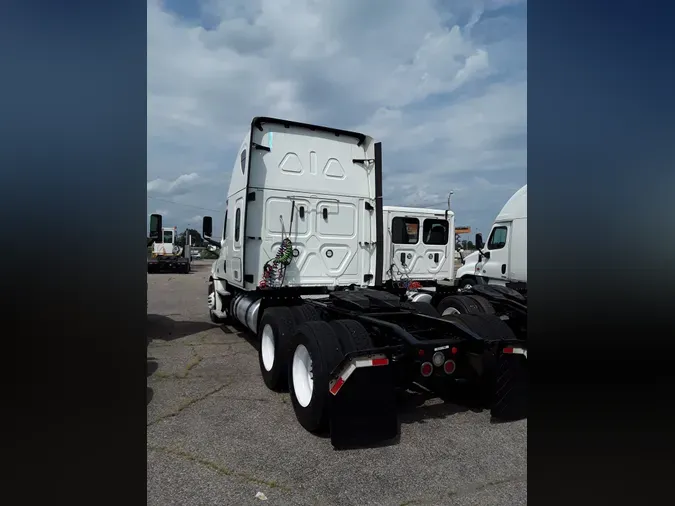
(166, 254)
(493, 279)
(301, 265)
(419, 267)
(503, 260)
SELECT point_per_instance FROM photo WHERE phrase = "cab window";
(237, 223)
(168, 236)
(497, 238)
(435, 232)
(405, 230)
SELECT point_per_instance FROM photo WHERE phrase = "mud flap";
(363, 411)
(511, 389)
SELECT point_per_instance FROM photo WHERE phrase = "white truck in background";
(166, 254)
(503, 259)
(301, 265)
(419, 245)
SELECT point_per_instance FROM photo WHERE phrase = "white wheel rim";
(267, 347)
(303, 379)
(450, 310)
(468, 286)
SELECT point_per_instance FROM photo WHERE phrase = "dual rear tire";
(318, 348)
(298, 351)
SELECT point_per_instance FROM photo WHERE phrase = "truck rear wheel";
(459, 304)
(316, 352)
(490, 328)
(352, 335)
(276, 328)
(305, 313)
(484, 304)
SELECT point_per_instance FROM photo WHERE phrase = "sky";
(442, 84)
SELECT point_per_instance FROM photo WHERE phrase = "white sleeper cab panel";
(314, 162)
(313, 187)
(419, 244)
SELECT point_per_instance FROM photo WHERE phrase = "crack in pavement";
(250, 399)
(186, 405)
(469, 489)
(214, 466)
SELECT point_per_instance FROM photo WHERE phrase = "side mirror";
(479, 241)
(207, 227)
(155, 226)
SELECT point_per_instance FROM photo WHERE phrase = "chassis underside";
(440, 354)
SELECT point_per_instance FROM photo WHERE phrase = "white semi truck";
(503, 259)
(301, 265)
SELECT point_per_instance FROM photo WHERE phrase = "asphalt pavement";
(217, 436)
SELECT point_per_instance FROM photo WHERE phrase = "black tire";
(323, 346)
(215, 319)
(352, 336)
(484, 304)
(490, 328)
(510, 397)
(282, 325)
(305, 313)
(425, 308)
(461, 304)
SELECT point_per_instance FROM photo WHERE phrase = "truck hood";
(471, 258)
(469, 267)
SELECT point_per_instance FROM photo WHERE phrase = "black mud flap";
(364, 412)
(511, 388)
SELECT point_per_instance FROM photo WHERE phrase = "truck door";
(221, 262)
(405, 240)
(434, 248)
(496, 267)
(238, 241)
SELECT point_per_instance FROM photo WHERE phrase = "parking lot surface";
(217, 436)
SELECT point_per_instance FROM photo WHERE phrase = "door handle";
(503, 268)
(436, 257)
(402, 258)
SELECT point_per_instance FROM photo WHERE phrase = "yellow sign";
(462, 230)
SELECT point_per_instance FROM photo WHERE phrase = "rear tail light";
(449, 367)
(426, 369)
(438, 359)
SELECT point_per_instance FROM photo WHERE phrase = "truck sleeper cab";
(301, 266)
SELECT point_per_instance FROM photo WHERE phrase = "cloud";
(179, 186)
(442, 84)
